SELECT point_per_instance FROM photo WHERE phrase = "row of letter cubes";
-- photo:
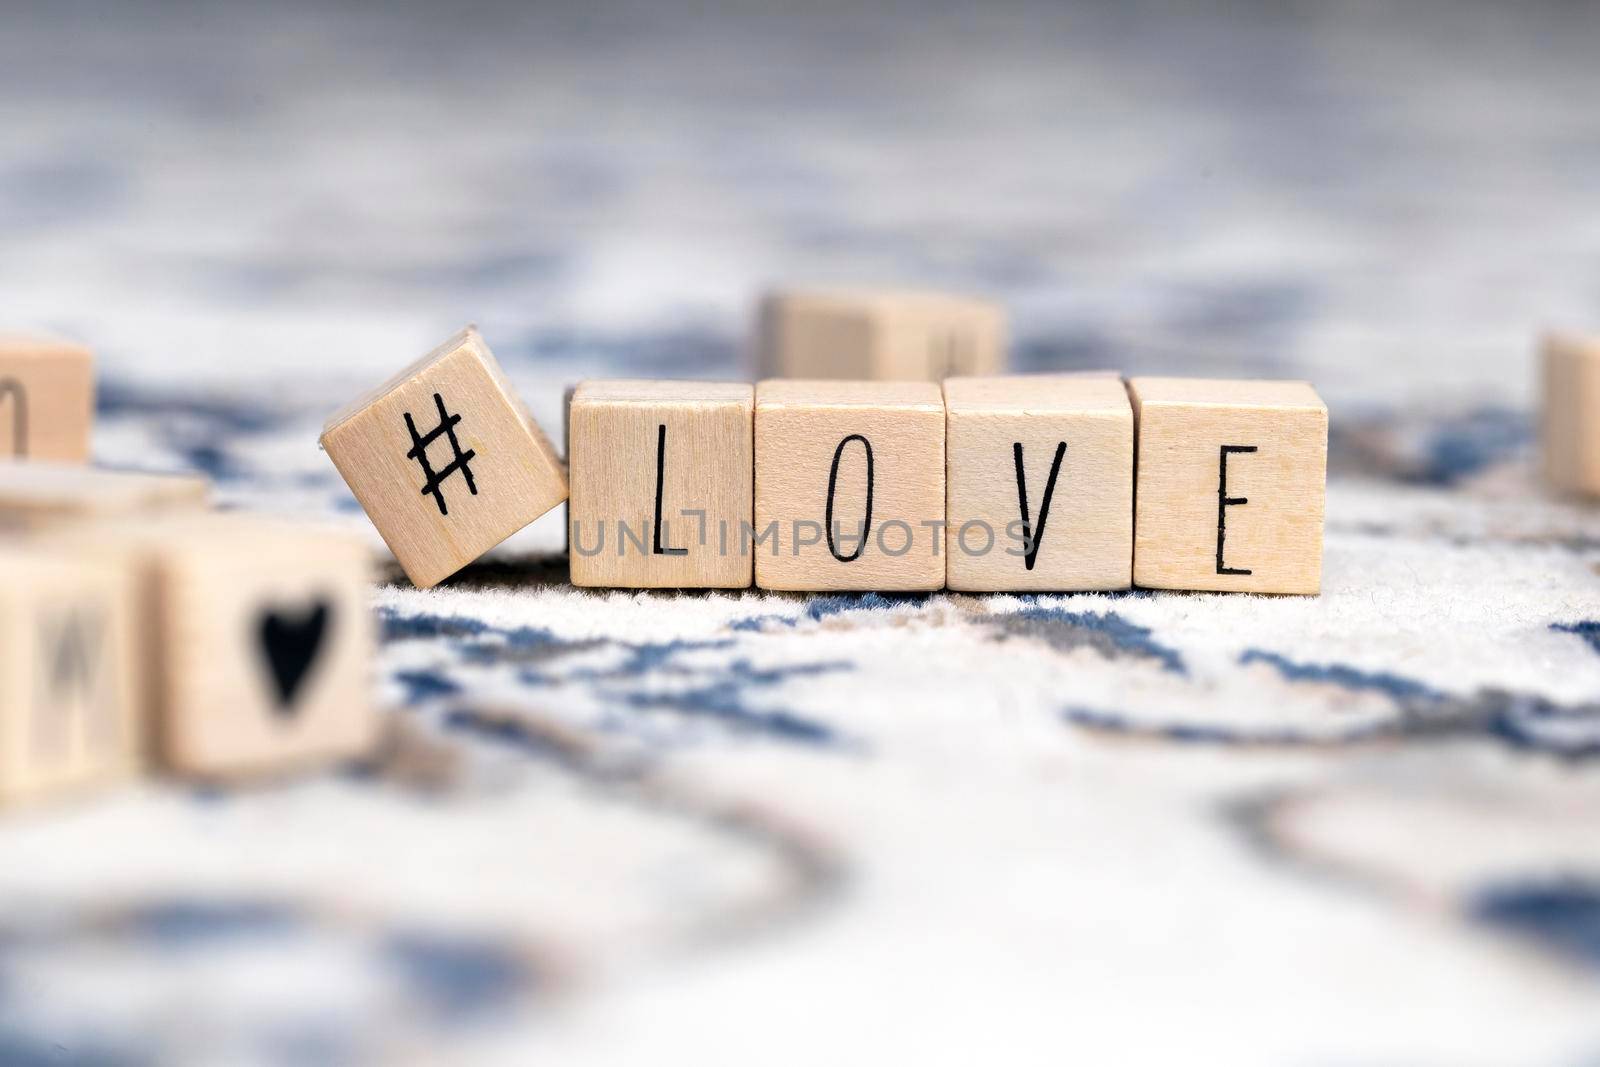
(137, 629)
(984, 484)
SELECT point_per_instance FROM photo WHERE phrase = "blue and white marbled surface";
(610, 828)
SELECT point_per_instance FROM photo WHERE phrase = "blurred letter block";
(662, 476)
(1571, 422)
(70, 692)
(446, 459)
(883, 335)
(849, 485)
(259, 636)
(1231, 483)
(34, 496)
(1041, 483)
(46, 399)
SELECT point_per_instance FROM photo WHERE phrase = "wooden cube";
(34, 496)
(1570, 426)
(849, 485)
(71, 699)
(1040, 490)
(46, 399)
(879, 335)
(662, 475)
(259, 635)
(446, 459)
(1231, 484)
(566, 457)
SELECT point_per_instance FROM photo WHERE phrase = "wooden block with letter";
(1040, 483)
(259, 637)
(71, 699)
(662, 476)
(1231, 484)
(1570, 422)
(46, 399)
(849, 485)
(446, 459)
(34, 496)
(879, 334)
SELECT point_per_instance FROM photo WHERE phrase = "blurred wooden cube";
(1231, 483)
(886, 335)
(1570, 422)
(566, 457)
(849, 485)
(259, 636)
(446, 459)
(71, 695)
(34, 496)
(46, 399)
(670, 463)
(1041, 483)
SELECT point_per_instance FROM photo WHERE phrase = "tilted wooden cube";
(661, 475)
(1231, 483)
(259, 634)
(1040, 483)
(446, 459)
(71, 693)
(46, 399)
(849, 485)
(1570, 422)
(879, 335)
(35, 496)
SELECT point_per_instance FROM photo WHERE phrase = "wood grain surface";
(441, 501)
(1073, 438)
(1260, 530)
(810, 434)
(645, 452)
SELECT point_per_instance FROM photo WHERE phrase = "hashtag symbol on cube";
(458, 462)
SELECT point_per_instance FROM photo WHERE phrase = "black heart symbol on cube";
(291, 642)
